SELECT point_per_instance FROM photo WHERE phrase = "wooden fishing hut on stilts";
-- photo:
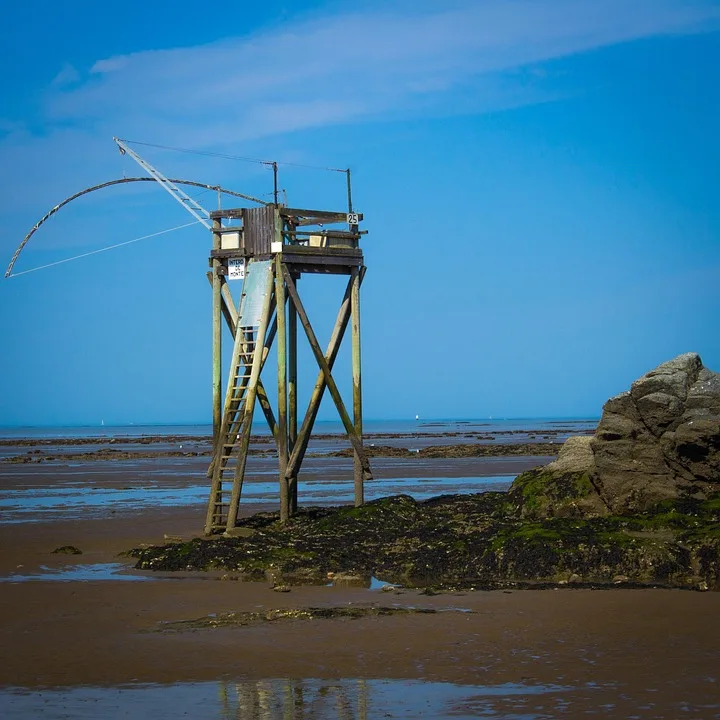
(270, 249)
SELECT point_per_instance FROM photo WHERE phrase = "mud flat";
(146, 643)
(622, 653)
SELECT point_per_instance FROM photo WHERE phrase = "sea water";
(371, 427)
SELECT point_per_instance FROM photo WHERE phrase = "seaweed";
(462, 541)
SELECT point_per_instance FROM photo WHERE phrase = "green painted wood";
(357, 385)
(282, 389)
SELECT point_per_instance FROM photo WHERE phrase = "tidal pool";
(78, 573)
(87, 501)
(288, 700)
(357, 699)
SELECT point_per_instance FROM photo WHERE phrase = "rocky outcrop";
(658, 441)
(562, 489)
(637, 503)
(460, 542)
(661, 439)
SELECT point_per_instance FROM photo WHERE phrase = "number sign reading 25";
(353, 218)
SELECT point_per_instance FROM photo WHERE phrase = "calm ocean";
(380, 427)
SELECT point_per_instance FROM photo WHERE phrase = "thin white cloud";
(323, 71)
(345, 67)
(67, 76)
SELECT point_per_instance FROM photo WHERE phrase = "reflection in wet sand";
(295, 700)
(286, 699)
(352, 699)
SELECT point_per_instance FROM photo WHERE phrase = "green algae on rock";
(660, 440)
(638, 502)
(67, 550)
(564, 488)
(463, 541)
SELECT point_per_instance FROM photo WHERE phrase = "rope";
(207, 153)
(109, 247)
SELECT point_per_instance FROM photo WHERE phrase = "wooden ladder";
(227, 468)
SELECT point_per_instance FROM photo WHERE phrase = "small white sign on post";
(353, 218)
(236, 269)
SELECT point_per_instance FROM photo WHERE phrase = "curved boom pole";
(110, 183)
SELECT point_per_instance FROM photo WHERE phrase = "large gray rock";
(659, 440)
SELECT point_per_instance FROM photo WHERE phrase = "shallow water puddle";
(79, 573)
(64, 503)
(287, 699)
(353, 699)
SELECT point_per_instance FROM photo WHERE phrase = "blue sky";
(539, 178)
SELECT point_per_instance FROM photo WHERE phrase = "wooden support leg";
(357, 386)
(282, 439)
(216, 337)
(292, 400)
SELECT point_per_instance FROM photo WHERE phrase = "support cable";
(257, 161)
(109, 247)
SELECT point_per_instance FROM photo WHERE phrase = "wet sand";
(619, 653)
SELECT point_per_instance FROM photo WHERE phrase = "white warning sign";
(236, 269)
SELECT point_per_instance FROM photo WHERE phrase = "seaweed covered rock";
(561, 489)
(658, 441)
(462, 541)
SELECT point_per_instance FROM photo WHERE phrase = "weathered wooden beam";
(216, 337)
(292, 400)
(282, 439)
(342, 234)
(229, 229)
(357, 386)
(303, 217)
(329, 380)
(312, 251)
(302, 268)
(229, 213)
(227, 253)
(323, 258)
(267, 410)
(228, 305)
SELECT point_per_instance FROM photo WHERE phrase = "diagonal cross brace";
(329, 381)
(303, 436)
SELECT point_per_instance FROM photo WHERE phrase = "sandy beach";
(531, 654)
